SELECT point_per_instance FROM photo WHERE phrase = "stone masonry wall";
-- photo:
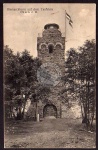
(52, 36)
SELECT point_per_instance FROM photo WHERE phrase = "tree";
(87, 62)
(20, 76)
(80, 78)
(70, 77)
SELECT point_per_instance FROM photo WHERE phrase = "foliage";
(20, 78)
(80, 78)
(19, 75)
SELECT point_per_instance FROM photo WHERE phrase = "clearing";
(48, 133)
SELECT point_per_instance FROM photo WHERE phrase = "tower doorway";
(50, 110)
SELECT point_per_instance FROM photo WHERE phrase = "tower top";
(51, 25)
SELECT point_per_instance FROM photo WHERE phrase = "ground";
(48, 133)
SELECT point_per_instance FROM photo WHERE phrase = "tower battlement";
(51, 26)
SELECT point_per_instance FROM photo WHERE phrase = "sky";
(21, 29)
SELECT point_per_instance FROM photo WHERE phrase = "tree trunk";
(82, 104)
(36, 110)
(92, 113)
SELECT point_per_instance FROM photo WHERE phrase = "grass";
(49, 133)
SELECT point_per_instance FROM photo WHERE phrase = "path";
(49, 133)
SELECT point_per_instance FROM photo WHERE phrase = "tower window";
(50, 47)
(59, 46)
(43, 46)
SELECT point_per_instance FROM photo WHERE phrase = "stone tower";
(51, 49)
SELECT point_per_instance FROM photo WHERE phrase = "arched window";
(50, 47)
(58, 45)
(43, 46)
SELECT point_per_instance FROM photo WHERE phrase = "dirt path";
(49, 133)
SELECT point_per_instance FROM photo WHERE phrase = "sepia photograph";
(49, 75)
